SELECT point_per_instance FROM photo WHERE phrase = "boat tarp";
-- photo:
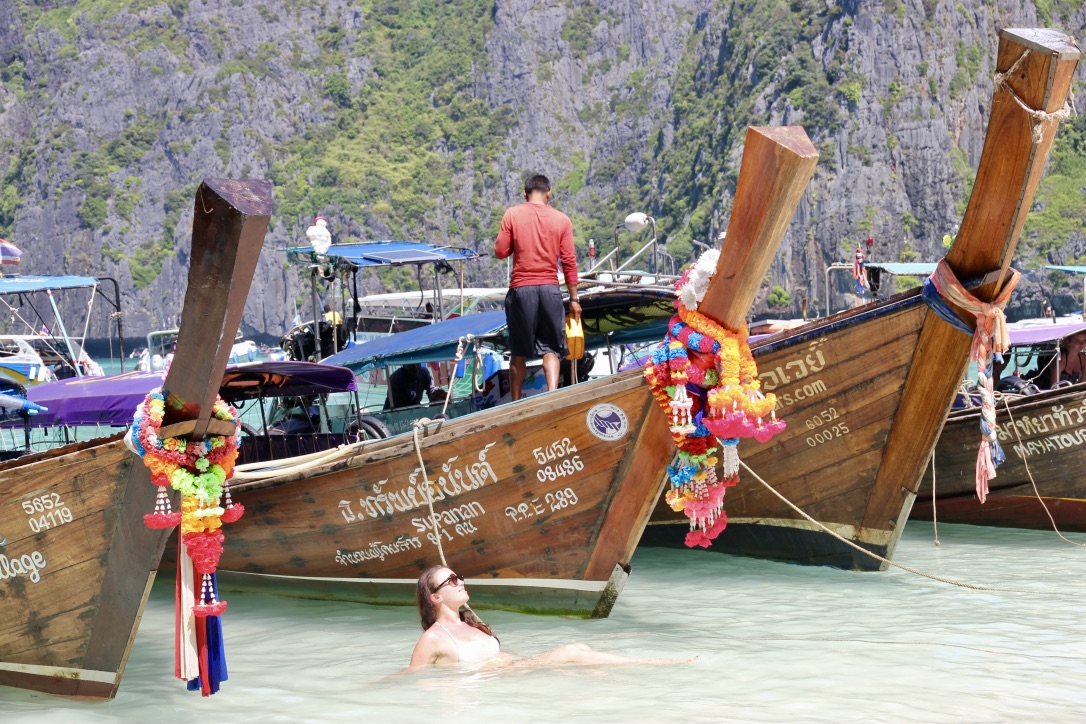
(430, 343)
(905, 268)
(21, 284)
(615, 317)
(1042, 333)
(112, 401)
(388, 253)
(1070, 269)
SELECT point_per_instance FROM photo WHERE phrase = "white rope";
(289, 466)
(1040, 118)
(416, 426)
(1036, 492)
(887, 561)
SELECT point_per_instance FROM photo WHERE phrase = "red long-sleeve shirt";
(537, 236)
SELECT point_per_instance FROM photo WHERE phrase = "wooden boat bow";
(1015, 151)
(69, 629)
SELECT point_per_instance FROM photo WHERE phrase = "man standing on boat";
(537, 236)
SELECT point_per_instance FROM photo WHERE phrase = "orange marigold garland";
(705, 379)
(200, 471)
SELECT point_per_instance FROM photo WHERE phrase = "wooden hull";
(1048, 434)
(69, 631)
(839, 385)
(539, 505)
(76, 560)
(866, 393)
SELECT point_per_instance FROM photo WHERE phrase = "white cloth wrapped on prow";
(319, 236)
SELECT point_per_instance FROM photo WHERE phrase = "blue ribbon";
(937, 304)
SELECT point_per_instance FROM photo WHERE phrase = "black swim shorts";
(536, 317)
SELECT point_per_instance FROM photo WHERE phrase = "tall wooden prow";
(229, 222)
(1035, 71)
(778, 163)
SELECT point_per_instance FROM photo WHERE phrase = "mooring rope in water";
(1006, 404)
(889, 562)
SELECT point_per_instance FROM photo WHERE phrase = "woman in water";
(452, 636)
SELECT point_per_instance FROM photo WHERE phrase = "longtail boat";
(1043, 435)
(76, 560)
(866, 391)
(539, 503)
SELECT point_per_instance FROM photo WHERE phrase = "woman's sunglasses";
(452, 580)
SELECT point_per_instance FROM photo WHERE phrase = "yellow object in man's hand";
(574, 337)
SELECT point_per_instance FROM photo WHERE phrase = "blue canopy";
(20, 284)
(386, 253)
(619, 316)
(905, 268)
(1071, 269)
(431, 343)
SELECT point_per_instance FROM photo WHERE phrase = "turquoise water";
(774, 642)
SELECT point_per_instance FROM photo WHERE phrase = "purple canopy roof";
(1041, 333)
(112, 400)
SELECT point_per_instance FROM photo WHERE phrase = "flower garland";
(705, 378)
(199, 471)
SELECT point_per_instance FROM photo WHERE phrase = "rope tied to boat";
(1029, 473)
(1041, 119)
(887, 561)
(426, 484)
(990, 340)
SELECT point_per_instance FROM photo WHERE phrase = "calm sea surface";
(774, 642)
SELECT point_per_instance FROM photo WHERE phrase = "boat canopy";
(623, 316)
(387, 253)
(904, 268)
(1070, 269)
(112, 401)
(1040, 333)
(431, 343)
(21, 284)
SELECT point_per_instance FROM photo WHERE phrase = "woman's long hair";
(428, 609)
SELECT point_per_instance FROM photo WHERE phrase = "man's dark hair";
(539, 183)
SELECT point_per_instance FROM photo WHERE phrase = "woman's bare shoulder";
(433, 647)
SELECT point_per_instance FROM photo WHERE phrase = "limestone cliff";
(420, 119)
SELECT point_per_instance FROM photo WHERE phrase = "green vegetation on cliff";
(393, 146)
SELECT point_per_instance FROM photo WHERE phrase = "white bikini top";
(477, 649)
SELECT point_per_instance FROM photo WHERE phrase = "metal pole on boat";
(117, 315)
(615, 250)
(654, 246)
(63, 332)
(354, 305)
(440, 300)
(316, 314)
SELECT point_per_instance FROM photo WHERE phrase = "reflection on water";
(774, 643)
